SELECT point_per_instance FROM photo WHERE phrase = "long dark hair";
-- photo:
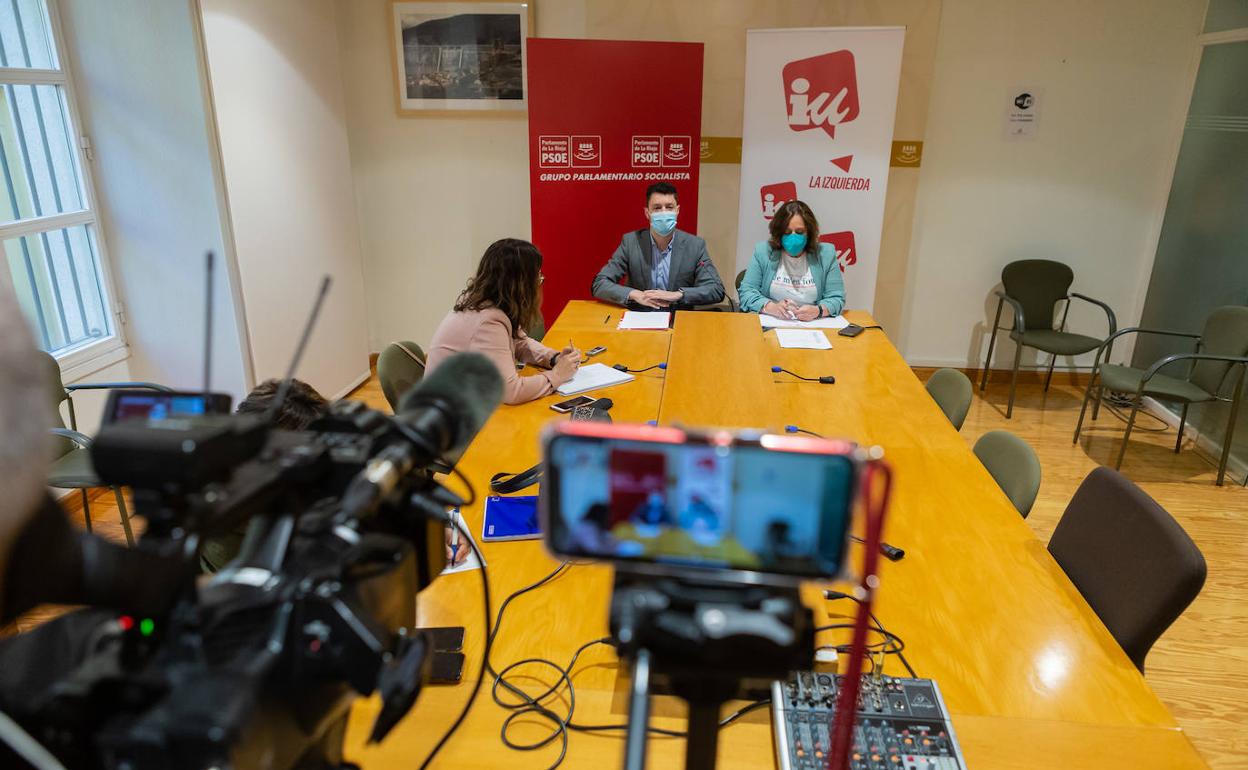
(780, 223)
(507, 278)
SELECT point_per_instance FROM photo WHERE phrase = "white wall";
(1089, 190)
(431, 192)
(434, 191)
(278, 94)
(138, 80)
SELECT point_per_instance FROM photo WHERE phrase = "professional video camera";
(257, 666)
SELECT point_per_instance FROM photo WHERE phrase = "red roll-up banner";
(607, 118)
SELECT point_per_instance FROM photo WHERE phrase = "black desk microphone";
(826, 379)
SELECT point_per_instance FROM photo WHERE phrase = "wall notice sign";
(1022, 113)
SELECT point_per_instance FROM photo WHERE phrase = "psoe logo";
(843, 244)
(587, 151)
(677, 150)
(821, 92)
(773, 196)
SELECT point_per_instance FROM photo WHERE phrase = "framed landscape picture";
(460, 56)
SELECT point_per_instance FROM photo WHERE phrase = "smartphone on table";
(660, 500)
(563, 407)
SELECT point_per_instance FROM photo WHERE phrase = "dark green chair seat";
(1057, 343)
(1013, 464)
(536, 328)
(73, 471)
(399, 368)
(1126, 379)
(952, 391)
(1032, 288)
(70, 460)
(1220, 359)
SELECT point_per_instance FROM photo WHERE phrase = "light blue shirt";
(662, 262)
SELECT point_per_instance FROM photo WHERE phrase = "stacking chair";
(399, 367)
(740, 278)
(536, 328)
(1221, 356)
(1013, 464)
(952, 391)
(71, 466)
(1130, 559)
(1033, 287)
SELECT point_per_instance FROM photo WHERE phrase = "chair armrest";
(1108, 344)
(1109, 312)
(1152, 370)
(1141, 330)
(118, 386)
(1019, 323)
(81, 439)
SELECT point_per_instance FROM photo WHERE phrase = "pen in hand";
(454, 538)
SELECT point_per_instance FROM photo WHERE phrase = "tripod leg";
(703, 740)
(638, 713)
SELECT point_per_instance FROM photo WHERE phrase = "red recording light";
(126, 622)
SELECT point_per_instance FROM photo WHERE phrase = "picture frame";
(464, 57)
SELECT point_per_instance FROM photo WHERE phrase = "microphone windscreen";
(469, 384)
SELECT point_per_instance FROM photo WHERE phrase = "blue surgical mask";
(663, 222)
(793, 243)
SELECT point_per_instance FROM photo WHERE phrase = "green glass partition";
(1202, 256)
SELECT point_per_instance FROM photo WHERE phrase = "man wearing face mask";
(663, 267)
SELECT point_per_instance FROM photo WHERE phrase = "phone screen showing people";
(738, 507)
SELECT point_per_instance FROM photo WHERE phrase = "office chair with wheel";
(952, 391)
(1013, 464)
(1033, 287)
(1130, 559)
(1221, 355)
(71, 466)
(399, 367)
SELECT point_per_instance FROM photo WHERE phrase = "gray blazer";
(691, 270)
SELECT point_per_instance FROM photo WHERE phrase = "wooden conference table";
(1030, 675)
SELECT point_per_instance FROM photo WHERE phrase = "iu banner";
(819, 108)
(607, 118)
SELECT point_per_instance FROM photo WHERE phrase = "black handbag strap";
(506, 483)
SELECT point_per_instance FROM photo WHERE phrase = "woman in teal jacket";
(792, 275)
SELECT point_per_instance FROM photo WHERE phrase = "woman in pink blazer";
(489, 318)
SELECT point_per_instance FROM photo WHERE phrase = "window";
(48, 225)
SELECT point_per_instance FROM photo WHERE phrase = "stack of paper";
(638, 319)
(811, 339)
(771, 322)
(592, 377)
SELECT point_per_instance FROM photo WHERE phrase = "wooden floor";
(1200, 666)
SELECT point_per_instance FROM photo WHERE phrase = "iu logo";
(843, 243)
(821, 92)
(773, 196)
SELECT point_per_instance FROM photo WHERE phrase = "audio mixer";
(902, 724)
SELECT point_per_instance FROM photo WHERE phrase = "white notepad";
(811, 339)
(771, 322)
(592, 377)
(642, 319)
